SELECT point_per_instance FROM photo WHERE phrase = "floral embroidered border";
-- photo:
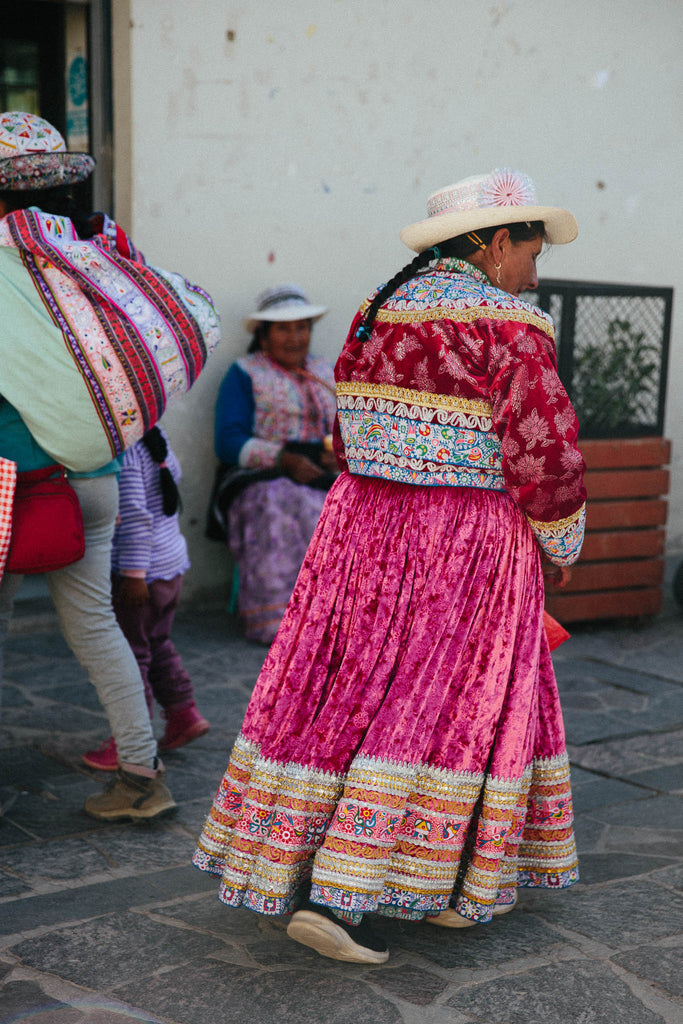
(388, 836)
(402, 471)
(412, 437)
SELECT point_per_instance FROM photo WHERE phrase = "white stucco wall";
(280, 141)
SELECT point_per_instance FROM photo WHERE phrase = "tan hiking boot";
(131, 796)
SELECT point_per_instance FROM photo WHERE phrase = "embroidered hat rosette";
(502, 196)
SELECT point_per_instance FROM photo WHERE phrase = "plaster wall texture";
(274, 142)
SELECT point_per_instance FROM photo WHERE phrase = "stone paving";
(101, 924)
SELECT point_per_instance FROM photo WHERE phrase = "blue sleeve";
(234, 415)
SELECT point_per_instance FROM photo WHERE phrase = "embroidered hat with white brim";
(486, 200)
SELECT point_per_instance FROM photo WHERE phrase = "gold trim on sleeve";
(557, 527)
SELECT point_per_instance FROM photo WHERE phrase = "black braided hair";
(155, 443)
(461, 247)
(410, 269)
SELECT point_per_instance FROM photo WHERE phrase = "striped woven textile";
(137, 336)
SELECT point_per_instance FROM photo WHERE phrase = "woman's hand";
(557, 575)
(298, 467)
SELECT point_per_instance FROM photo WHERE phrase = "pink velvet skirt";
(404, 744)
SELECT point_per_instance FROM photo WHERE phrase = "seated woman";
(274, 419)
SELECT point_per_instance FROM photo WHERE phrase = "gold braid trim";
(558, 526)
(520, 316)
(476, 406)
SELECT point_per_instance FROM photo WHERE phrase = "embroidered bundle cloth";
(93, 342)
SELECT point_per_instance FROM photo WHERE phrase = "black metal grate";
(613, 348)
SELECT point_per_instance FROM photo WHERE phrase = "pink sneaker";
(105, 758)
(182, 726)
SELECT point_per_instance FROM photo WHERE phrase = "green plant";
(614, 383)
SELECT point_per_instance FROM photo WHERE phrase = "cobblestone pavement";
(101, 924)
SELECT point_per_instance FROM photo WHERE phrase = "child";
(149, 557)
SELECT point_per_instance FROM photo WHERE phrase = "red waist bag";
(47, 523)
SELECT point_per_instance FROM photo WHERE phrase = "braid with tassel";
(421, 260)
(155, 443)
(460, 247)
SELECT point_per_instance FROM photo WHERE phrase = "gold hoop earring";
(498, 268)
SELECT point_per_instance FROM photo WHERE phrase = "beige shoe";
(328, 935)
(450, 918)
(131, 796)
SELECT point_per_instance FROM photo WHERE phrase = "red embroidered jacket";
(458, 386)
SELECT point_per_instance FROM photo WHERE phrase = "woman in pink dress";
(403, 751)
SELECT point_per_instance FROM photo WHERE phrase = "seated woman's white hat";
(284, 302)
(485, 200)
(33, 154)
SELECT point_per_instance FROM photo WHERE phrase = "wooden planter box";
(621, 568)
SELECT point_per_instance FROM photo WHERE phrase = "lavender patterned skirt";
(270, 527)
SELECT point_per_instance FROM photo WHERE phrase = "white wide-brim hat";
(284, 302)
(482, 201)
(33, 154)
